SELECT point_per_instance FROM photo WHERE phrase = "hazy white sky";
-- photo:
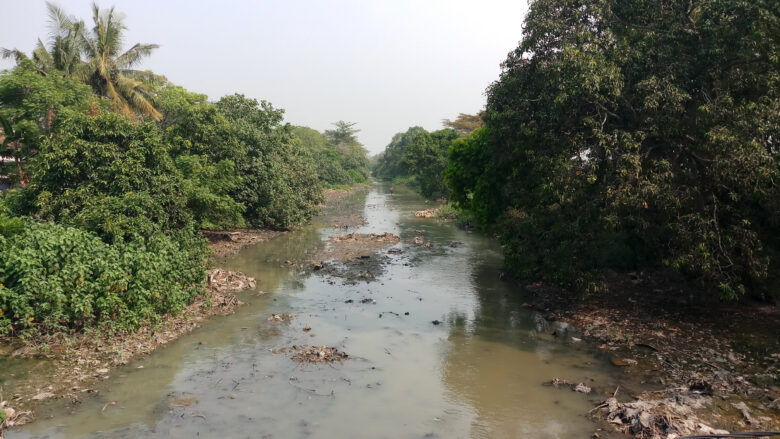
(385, 64)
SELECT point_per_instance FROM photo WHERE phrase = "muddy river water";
(477, 374)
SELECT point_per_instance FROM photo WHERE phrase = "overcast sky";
(385, 64)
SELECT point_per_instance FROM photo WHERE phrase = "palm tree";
(110, 73)
(64, 50)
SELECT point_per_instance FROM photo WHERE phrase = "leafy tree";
(389, 165)
(426, 157)
(465, 123)
(280, 188)
(205, 152)
(633, 133)
(344, 134)
(29, 104)
(107, 174)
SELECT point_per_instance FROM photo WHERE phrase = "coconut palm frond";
(135, 54)
(146, 76)
(16, 54)
(137, 94)
(59, 22)
(43, 59)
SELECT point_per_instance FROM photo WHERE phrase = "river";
(477, 374)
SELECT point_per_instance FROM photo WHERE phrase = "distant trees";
(345, 133)
(418, 155)
(340, 157)
(464, 124)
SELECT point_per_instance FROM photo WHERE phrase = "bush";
(54, 277)
(449, 212)
(279, 184)
(108, 174)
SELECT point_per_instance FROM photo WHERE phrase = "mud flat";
(713, 367)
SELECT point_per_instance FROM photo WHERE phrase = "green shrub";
(54, 277)
(279, 184)
(108, 174)
(448, 211)
(356, 177)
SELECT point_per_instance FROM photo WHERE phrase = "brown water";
(476, 375)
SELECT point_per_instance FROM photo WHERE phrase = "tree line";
(628, 135)
(113, 171)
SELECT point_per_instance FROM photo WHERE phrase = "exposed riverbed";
(478, 373)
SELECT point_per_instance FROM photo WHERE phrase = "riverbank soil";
(68, 365)
(75, 362)
(715, 365)
(229, 242)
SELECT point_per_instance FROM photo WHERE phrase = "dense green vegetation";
(56, 277)
(341, 159)
(630, 134)
(417, 157)
(114, 170)
(623, 135)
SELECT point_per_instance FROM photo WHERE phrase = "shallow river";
(478, 374)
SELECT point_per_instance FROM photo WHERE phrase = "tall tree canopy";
(634, 132)
(464, 124)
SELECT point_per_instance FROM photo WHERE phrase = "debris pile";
(384, 237)
(427, 213)
(229, 242)
(10, 417)
(576, 387)
(276, 318)
(222, 281)
(658, 418)
(420, 242)
(317, 354)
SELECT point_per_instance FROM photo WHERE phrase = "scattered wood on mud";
(658, 418)
(703, 357)
(228, 281)
(351, 247)
(317, 354)
(366, 237)
(10, 417)
(276, 318)
(336, 194)
(353, 257)
(427, 213)
(229, 242)
(82, 359)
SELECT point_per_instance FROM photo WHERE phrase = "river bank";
(709, 366)
(413, 310)
(67, 366)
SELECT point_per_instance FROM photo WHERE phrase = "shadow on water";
(477, 374)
